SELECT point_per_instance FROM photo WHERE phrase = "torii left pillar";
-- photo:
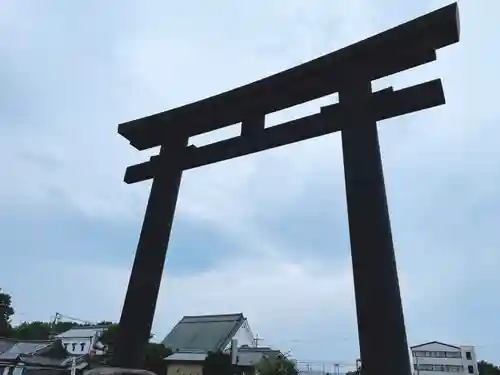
(145, 279)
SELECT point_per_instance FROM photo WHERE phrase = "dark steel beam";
(145, 279)
(383, 105)
(253, 126)
(381, 327)
(400, 48)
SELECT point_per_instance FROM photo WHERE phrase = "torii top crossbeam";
(403, 47)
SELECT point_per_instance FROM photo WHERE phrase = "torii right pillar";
(381, 327)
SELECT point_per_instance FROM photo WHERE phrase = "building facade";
(193, 337)
(83, 340)
(434, 358)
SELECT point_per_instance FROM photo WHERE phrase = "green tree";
(217, 363)
(486, 368)
(155, 355)
(109, 337)
(6, 312)
(38, 330)
(279, 365)
(32, 331)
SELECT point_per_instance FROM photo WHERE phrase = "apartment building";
(435, 358)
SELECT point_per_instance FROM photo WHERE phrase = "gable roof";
(434, 342)
(12, 349)
(83, 332)
(204, 333)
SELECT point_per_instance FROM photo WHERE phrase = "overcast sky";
(265, 235)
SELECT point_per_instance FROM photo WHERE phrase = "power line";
(59, 316)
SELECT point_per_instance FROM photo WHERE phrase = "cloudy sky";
(265, 235)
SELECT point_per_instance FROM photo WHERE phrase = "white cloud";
(282, 300)
(168, 57)
(100, 159)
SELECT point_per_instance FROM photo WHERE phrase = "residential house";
(434, 358)
(83, 340)
(22, 357)
(194, 336)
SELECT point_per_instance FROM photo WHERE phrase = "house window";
(438, 368)
(82, 346)
(453, 355)
(426, 367)
(421, 353)
(73, 346)
(66, 346)
(468, 355)
(471, 369)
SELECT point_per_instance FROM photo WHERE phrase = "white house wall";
(78, 345)
(81, 341)
(243, 335)
(473, 361)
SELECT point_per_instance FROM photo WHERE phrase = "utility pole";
(256, 340)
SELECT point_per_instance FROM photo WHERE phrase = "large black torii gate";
(348, 71)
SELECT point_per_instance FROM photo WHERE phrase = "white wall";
(80, 341)
(469, 362)
(243, 335)
(78, 345)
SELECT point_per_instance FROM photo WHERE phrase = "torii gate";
(348, 71)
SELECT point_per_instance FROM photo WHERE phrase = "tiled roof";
(38, 360)
(205, 332)
(6, 344)
(82, 332)
(18, 348)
